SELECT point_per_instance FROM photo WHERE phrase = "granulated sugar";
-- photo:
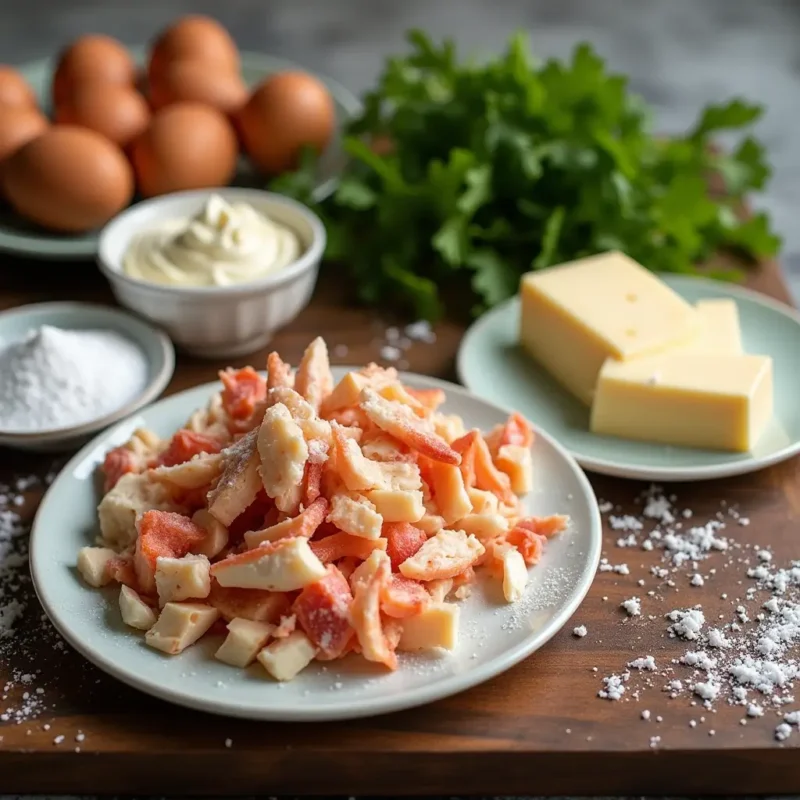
(743, 657)
(23, 628)
(397, 341)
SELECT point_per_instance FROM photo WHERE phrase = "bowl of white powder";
(69, 370)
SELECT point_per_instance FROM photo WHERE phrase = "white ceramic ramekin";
(216, 321)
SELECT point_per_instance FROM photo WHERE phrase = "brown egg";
(186, 146)
(94, 58)
(199, 81)
(193, 37)
(286, 112)
(68, 179)
(14, 89)
(119, 112)
(17, 127)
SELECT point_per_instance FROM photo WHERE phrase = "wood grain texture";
(508, 736)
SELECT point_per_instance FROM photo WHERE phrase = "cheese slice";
(712, 400)
(436, 626)
(245, 639)
(720, 332)
(577, 315)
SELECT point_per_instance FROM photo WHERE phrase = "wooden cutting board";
(538, 729)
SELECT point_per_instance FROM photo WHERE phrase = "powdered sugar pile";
(745, 657)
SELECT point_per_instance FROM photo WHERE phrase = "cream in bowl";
(220, 270)
(224, 244)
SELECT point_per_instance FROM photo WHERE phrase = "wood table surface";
(508, 736)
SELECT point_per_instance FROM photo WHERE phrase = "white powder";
(783, 732)
(55, 378)
(755, 710)
(391, 353)
(686, 624)
(580, 631)
(697, 580)
(716, 638)
(420, 331)
(632, 606)
(645, 714)
(707, 690)
(614, 686)
(698, 659)
(645, 663)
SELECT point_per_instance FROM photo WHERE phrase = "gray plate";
(26, 239)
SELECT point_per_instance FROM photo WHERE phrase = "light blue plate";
(26, 239)
(492, 365)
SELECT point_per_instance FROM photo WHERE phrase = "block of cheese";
(710, 400)
(719, 331)
(577, 315)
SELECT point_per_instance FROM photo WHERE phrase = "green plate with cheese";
(493, 365)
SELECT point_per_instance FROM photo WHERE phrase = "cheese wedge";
(577, 315)
(714, 401)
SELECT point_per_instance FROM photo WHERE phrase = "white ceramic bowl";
(216, 321)
(156, 349)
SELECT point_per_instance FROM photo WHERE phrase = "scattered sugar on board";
(747, 657)
(396, 341)
(26, 636)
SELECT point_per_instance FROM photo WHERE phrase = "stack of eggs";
(178, 126)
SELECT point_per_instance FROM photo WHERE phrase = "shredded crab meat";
(333, 517)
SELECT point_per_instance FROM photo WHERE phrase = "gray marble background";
(680, 54)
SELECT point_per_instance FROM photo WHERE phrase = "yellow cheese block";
(710, 400)
(720, 331)
(577, 315)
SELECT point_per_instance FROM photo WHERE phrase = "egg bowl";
(216, 321)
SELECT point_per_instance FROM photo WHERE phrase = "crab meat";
(314, 380)
(304, 524)
(283, 452)
(358, 473)
(355, 515)
(345, 545)
(197, 473)
(185, 445)
(401, 422)
(365, 612)
(240, 480)
(279, 373)
(243, 390)
(323, 612)
(162, 533)
(442, 556)
(403, 541)
(254, 604)
(403, 598)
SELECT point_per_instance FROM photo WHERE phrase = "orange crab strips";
(329, 520)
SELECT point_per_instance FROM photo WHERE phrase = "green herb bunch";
(481, 172)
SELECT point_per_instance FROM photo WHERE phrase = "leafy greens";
(481, 172)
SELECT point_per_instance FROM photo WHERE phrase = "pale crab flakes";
(401, 422)
(444, 555)
(133, 494)
(282, 450)
(358, 473)
(516, 462)
(313, 379)
(240, 480)
(356, 516)
(199, 471)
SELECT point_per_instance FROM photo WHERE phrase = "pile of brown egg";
(180, 124)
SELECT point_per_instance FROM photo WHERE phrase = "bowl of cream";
(220, 270)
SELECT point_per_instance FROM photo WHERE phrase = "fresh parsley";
(477, 173)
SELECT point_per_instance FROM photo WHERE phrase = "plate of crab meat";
(315, 543)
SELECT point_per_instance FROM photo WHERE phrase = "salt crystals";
(632, 606)
(643, 663)
(580, 631)
(614, 686)
(686, 624)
